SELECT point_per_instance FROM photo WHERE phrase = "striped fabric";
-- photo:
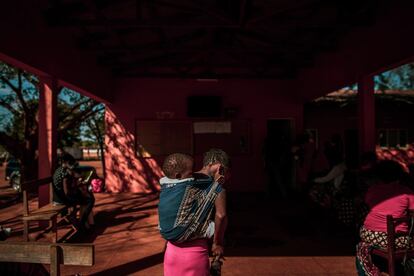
(186, 207)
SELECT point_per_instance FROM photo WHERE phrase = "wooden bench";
(8, 192)
(48, 212)
(8, 195)
(48, 253)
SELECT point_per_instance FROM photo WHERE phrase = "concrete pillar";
(366, 114)
(47, 146)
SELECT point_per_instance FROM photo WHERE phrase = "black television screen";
(204, 106)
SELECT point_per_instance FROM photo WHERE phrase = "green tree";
(400, 78)
(19, 134)
(75, 110)
(94, 134)
(19, 97)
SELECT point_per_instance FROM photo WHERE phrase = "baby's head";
(178, 166)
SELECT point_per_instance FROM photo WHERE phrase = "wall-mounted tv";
(204, 106)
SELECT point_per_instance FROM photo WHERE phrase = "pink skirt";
(187, 259)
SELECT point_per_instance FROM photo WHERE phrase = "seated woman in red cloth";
(387, 197)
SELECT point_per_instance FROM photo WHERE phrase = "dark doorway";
(278, 157)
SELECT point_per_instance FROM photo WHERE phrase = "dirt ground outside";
(97, 164)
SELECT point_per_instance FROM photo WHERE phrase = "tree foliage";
(19, 104)
(392, 86)
(400, 78)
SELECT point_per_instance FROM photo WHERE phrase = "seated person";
(85, 187)
(334, 176)
(65, 190)
(386, 197)
(366, 177)
(186, 200)
(325, 188)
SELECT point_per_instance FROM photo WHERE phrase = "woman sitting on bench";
(387, 197)
(65, 190)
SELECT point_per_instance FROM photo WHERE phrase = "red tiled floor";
(127, 241)
(3, 181)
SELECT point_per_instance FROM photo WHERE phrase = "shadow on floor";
(262, 227)
(118, 199)
(134, 266)
(103, 220)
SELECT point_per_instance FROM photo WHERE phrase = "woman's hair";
(176, 163)
(67, 158)
(389, 171)
(216, 156)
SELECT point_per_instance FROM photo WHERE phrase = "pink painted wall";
(257, 100)
(28, 43)
(125, 172)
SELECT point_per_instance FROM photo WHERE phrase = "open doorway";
(351, 147)
(278, 158)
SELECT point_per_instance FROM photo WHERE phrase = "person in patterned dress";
(65, 190)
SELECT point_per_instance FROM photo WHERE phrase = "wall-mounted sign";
(212, 127)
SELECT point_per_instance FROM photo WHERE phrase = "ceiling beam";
(132, 23)
(257, 51)
(270, 12)
(276, 75)
(174, 42)
(197, 7)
